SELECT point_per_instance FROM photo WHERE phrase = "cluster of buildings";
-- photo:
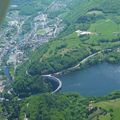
(13, 42)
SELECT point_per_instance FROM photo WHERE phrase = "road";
(81, 62)
(50, 76)
(55, 79)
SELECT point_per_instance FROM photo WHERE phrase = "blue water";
(7, 73)
(98, 80)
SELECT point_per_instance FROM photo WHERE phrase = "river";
(7, 73)
(98, 80)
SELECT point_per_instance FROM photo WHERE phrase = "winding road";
(81, 62)
(54, 78)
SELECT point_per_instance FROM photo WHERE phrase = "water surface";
(98, 80)
(7, 73)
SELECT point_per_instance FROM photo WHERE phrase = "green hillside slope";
(91, 35)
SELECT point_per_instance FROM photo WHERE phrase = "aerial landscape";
(60, 60)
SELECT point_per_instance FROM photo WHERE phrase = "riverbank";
(7, 73)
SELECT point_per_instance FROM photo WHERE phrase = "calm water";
(98, 80)
(7, 73)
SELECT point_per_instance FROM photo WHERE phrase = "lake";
(98, 80)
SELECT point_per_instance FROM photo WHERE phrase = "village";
(14, 39)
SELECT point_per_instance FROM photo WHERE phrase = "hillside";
(71, 46)
(101, 28)
(75, 108)
(112, 109)
(55, 107)
(89, 33)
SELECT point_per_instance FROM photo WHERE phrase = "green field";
(106, 29)
(112, 107)
(42, 31)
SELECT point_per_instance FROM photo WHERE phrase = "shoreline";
(56, 79)
(81, 62)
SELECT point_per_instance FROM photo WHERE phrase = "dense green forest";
(70, 106)
(31, 97)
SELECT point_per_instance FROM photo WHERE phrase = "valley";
(54, 48)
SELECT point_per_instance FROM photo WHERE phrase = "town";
(20, 34)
